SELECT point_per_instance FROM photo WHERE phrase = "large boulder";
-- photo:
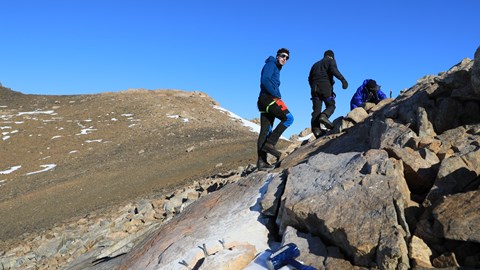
(456, 174)
(457, 217)
(419, 172)
(337, 196)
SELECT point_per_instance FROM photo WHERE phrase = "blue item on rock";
(286, 256)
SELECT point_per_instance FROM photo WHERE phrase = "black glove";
(344, 84)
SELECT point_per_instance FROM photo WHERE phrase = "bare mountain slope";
(65, 156)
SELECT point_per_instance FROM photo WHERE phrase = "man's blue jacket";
(360, 97)
(270, 79)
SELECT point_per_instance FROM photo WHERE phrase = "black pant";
(321, 93)
(266, 123)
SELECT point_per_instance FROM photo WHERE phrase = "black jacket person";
(321, 85)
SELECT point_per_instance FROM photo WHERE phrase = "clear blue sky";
(219, 47)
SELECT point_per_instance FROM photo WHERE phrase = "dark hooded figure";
(321, 85)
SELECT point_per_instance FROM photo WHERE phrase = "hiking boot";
(318, 132)
(270, 148)
(324, 120)
(264, 166)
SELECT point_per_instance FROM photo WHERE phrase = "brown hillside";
(106, 149)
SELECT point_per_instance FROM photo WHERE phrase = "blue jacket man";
(270, 78)
(369, 91)
(271, 106)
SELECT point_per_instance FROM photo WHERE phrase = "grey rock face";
(456, 174)
(228, 219)
(271, 200)
(325, 197)
(457, 217)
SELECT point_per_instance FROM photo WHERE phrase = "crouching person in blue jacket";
(369, 91)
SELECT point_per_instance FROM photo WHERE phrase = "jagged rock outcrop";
(432, 132)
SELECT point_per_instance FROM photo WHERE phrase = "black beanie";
(372, 85)
(329, 53)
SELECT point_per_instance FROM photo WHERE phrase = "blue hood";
(270, 78)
